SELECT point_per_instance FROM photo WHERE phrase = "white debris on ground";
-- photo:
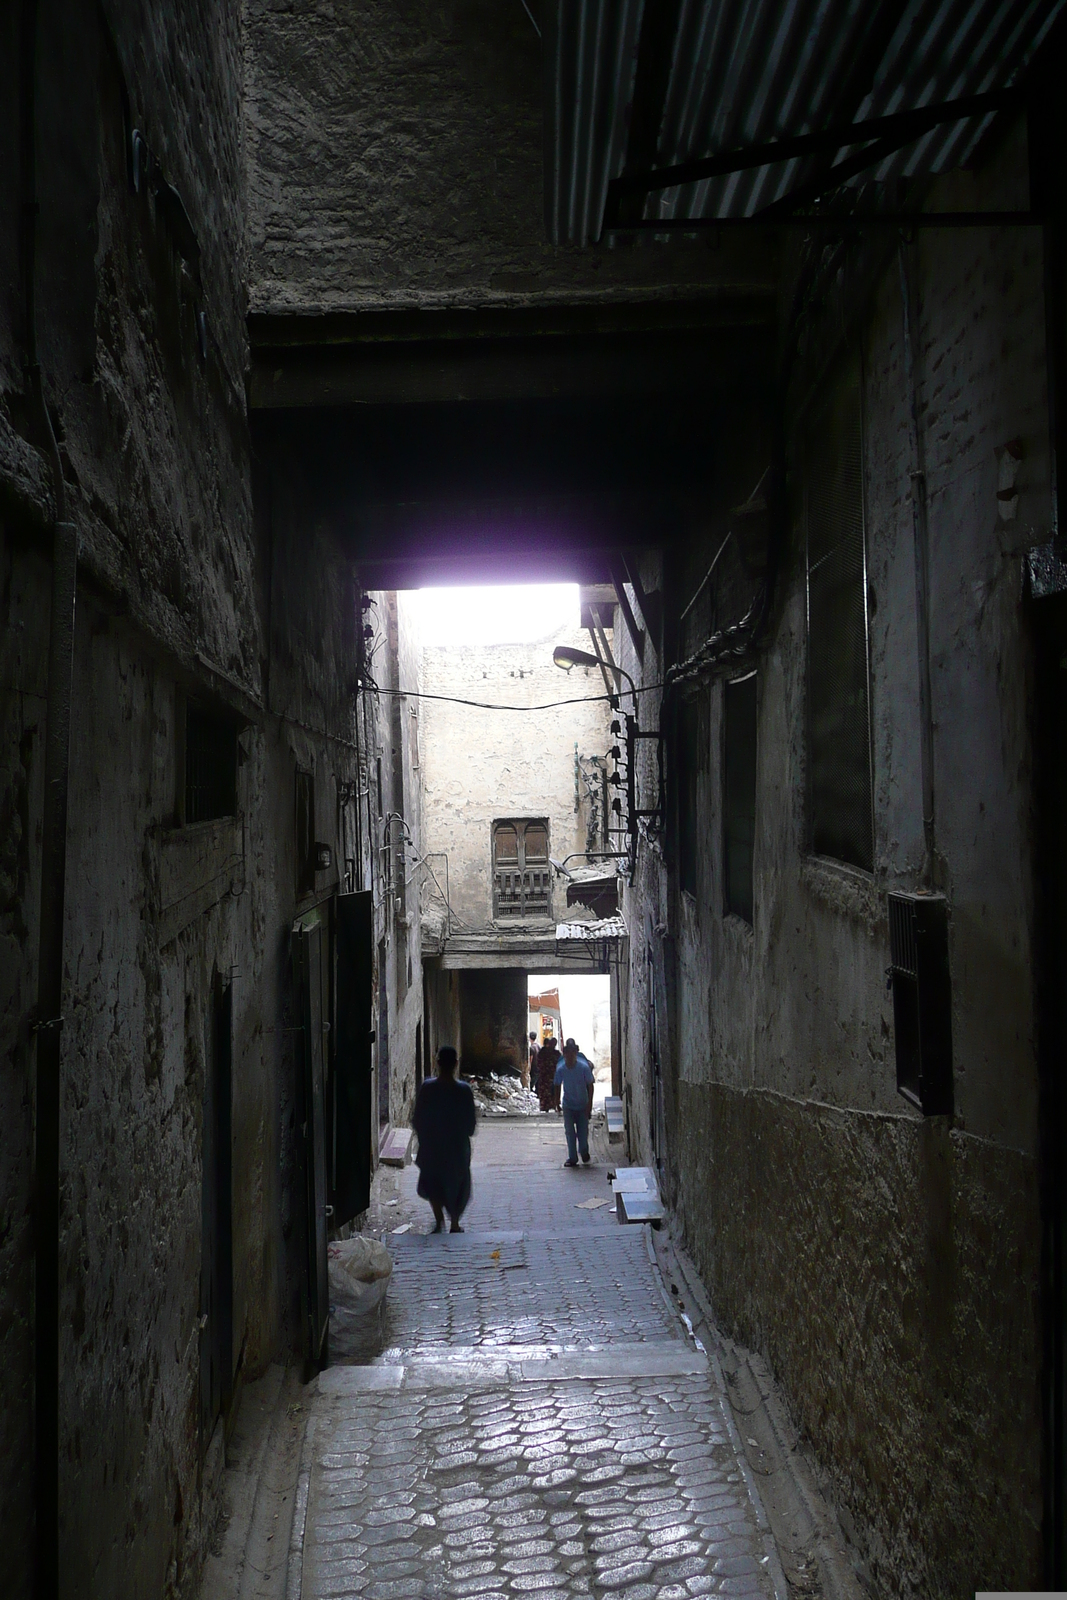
(500, 1095)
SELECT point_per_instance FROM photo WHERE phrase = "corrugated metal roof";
(747, 71)
(606, 928)
(590, 53)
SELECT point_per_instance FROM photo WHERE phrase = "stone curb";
(294, 1580)
(771, 1558)
(841, 1582)
(470, 1367)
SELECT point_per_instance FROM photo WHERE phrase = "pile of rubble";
(500, 1095)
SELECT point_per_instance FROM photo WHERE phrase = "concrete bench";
(616, 1118)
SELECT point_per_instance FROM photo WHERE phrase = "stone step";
(396, 1147)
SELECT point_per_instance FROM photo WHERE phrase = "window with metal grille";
(739, 793)
(522, 873)
(839, 728)
(210, 766)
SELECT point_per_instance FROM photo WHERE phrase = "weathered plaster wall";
(394, 758)
(886, 1266)
(141, 1021)
(482, 765)
(395, 157)
(180, 595)
(154, 439)
(887, 1269)
(138, 1022)
(154, 451)
(644, 965)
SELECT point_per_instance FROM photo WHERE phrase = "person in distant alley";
(574, 1082)
(444, 1121)
(530, 1072)
(547, 1058)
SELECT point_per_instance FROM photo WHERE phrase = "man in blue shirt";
(574, 1081)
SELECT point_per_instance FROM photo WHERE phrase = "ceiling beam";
(658, 361)
(659, 28)
(633, 628)
(908, 125)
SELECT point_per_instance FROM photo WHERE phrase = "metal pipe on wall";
(49, 1014)
(921, 537)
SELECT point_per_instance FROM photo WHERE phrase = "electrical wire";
(423, 861)
(548, 705)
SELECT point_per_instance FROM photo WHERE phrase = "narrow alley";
(529, 524)
(541, 1419)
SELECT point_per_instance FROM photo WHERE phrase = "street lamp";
(566, 656)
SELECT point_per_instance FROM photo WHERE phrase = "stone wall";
(395, 159)
(886, 1265)
(153, 441)
(187, 592)
(887, 1269)
(140, 972)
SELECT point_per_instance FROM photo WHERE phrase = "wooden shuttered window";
(522, 872)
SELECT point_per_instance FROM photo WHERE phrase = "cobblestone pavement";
(519, 1183)
(539, 1425)
(498, 1288)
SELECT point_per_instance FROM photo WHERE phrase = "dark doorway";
(1050, 744)
(349, 1100)
(492, 1010)
(311, 963)
(216, 1252)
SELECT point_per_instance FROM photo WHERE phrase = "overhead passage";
(522, 491)
(632, 89)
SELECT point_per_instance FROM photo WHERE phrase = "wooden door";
(216, 1217)
(312, 972)
(350, 1099)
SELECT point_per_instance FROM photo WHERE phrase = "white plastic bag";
(360, 1269)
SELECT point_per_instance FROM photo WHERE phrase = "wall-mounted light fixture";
(567, 656)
